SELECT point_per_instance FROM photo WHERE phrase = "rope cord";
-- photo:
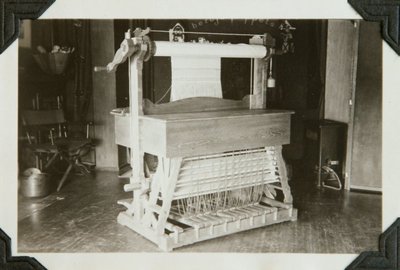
(330, 171)
(209, 33)
(165, 94)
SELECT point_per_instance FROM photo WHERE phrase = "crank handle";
(100, 68)
(126, 49)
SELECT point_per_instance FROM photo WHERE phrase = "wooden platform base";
(193, 235)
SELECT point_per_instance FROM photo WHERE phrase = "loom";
(220, 168)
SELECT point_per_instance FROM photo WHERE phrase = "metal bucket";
(34, 183)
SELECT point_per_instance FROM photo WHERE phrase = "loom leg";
(168, 170)
(168, 192)
(283, 175)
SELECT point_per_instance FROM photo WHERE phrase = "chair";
(58, 143)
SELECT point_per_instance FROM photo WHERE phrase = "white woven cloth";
(195, 77)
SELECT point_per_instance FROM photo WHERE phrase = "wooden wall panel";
(341, 67)
(104, 94)
(367, 144)
(341, 50)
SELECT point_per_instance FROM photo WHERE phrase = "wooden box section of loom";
(188, 134)
(122, 126)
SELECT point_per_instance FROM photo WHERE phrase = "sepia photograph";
(199, 135)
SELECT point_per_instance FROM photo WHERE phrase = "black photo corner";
(319, 150)
(9, 262)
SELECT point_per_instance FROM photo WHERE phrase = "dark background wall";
(299, 74)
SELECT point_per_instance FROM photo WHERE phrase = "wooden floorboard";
(82, 217)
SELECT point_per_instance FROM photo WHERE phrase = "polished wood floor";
(82, 218)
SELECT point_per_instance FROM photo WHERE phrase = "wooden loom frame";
(148, 213)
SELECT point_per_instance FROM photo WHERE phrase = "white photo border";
(190, 9)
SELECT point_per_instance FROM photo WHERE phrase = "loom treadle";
(193, 235)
